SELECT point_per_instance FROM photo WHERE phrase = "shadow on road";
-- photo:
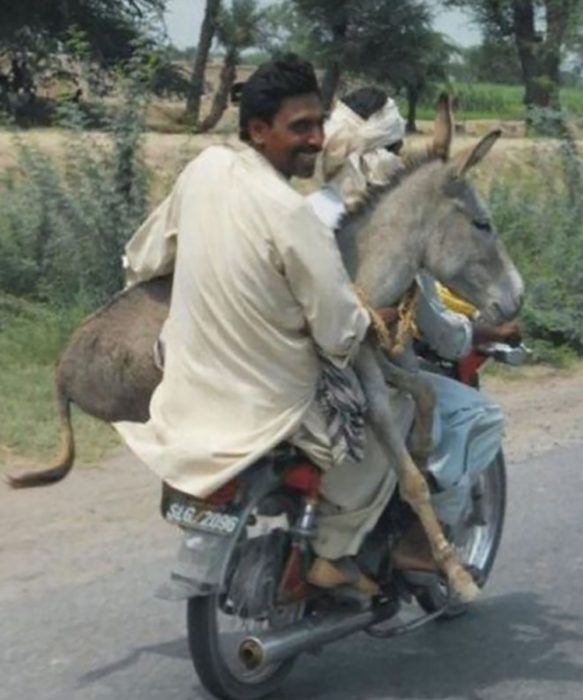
(175, 649)
(513, 637)
(508, 638)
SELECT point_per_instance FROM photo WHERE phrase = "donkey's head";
(462, 250)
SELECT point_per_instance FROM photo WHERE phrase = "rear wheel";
(477, 538)
(247, 605)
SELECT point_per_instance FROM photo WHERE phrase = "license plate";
(192, 514)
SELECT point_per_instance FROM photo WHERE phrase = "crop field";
(492, 101)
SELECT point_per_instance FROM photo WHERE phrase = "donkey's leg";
(412, 485)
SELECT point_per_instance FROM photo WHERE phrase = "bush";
(541, 219)
(63, 227)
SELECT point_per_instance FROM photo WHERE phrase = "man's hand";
(508, 332)
(389, 314)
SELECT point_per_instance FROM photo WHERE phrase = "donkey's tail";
(63, 462)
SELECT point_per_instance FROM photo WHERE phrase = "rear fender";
(203, 557)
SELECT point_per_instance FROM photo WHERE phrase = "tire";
(208, 661)
(214, 651)
(477, 544)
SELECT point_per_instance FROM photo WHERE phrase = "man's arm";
(151, 251)
(316, 274)
(484, 332)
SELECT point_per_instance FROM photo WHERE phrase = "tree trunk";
(221, 98)
(412, 99)
(540, 58)
(207, 32)
(334, 69)
(526, 45)
(558, 15)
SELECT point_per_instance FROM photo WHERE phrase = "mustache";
(308, 150)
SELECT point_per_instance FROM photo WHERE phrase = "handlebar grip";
(514, 355)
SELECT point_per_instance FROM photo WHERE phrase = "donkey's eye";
(483, 225)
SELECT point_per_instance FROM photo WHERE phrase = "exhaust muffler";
(308, 634)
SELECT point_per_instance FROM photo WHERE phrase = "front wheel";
(477, 538)
(247, 604)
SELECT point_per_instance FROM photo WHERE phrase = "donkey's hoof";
(463, 585)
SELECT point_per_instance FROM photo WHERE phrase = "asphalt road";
(106, 637)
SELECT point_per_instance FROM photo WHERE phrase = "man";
(259, 294)
(363, 136)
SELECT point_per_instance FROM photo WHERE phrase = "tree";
(386, 42)
(110, 28)
(395, 43)
(236, 30)
(284, 30)
(495, 60)
(540, 30)
(205, 40)
(331, 21)
(42, 37)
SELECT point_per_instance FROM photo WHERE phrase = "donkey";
(431, 219)
(448, 233)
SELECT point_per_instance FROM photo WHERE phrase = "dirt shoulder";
(543, 408)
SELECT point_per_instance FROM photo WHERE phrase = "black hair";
(365, 101)
(272, 83)
(236, 90)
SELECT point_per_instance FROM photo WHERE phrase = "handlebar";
(514, 355)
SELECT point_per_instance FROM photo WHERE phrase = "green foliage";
(62, 228)
(168, 79)
(541, 219)
(495, 60)
(107, 29)
(237, 25)
(285, 30)
(393, 42)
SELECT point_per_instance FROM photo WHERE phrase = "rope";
(393, 343)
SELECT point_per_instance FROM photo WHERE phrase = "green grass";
(31, 336)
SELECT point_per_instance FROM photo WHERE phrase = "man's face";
(294, 138)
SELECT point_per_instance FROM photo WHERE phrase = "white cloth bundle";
(354, 151)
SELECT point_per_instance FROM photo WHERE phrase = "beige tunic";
(259, 285)
(151, 251)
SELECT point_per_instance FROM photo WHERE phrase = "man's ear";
(257, 129)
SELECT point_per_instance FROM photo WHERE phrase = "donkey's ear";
(443, 127)
(467, 160)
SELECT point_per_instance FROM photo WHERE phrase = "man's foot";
(412, 552)
(327, 573)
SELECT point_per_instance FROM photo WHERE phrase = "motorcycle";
(246, 552)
